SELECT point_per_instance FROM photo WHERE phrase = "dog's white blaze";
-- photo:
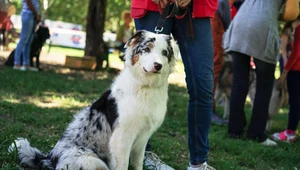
(147, 95)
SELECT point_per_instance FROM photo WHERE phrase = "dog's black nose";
(157, 66)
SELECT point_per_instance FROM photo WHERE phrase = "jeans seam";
(194, 92)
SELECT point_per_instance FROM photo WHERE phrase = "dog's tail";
(30, 157)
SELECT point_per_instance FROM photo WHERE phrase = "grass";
(57, 49)
(39, 105)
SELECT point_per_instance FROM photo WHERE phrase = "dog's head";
(43, 33)
(151, 57)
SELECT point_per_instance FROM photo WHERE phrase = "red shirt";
(201, 8)
(3, 20)
(293, 62)
(233, 11)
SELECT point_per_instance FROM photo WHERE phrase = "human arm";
(224, 11)
(284, 43)
(291, 10)
(32, 8)
(283, 77)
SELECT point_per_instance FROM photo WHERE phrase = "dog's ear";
(135, 39)
(175, 48)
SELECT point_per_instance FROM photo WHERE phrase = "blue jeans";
(197, 57)
(26, 37)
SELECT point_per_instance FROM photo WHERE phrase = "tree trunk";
(94, 45)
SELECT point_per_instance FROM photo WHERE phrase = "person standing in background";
(254, 33)
(4, 5)
(219, 24)
(287, 38)
(125, 31)
(30, 16)
(291, 73)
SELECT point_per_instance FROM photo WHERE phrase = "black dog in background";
(40, 37)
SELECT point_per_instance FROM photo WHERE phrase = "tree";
(94, 45)
(45, 6)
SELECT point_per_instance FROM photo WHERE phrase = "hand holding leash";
(161, 3)
(183, 3)
(283, 78)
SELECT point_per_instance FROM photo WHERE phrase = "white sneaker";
(33, 69)
(23, 68)
(204, 166)
(152, 162)
(269, 142)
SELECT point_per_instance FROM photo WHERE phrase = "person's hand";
(155, 1)
(284, 59)
(37, 18)
(283, 77)
(183, 3)
(161, 3)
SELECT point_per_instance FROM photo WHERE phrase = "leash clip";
(158, 29)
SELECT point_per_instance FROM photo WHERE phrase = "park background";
(39, 105)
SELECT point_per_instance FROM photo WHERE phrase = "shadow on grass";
(39, 105)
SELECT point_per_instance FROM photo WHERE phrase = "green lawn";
(39, 105)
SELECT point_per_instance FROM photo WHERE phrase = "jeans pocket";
(272, 48)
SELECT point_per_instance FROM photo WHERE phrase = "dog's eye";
(147, 50)
(164, 53)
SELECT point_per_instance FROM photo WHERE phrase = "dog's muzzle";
(155, 69)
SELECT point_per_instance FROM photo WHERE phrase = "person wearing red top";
(235, 6)
(3, 24)
(219, 24)
(291, 73)
(194, 36)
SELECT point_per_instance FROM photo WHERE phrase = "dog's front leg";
(120, 146)
(138, 153)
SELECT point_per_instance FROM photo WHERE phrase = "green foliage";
(75, 11)
(114, 11)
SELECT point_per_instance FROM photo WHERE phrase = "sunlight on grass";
(10, 98)
(283, 111)
(58, 49)
(64, 50)
(178, 76)
(47, 101)
(57, 101)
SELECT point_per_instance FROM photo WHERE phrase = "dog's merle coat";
(117, 125)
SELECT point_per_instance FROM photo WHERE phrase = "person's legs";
(2, 39)
(293, 84)
(27, 49)
(197, 57)
(25, 37)
(264, 84)
(239, 91)
(217, 34)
